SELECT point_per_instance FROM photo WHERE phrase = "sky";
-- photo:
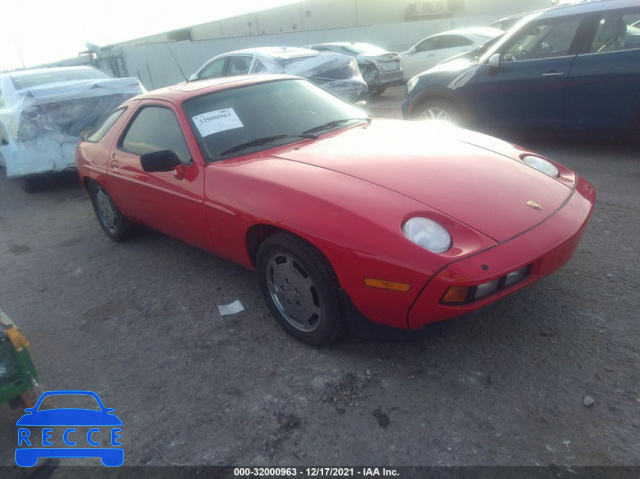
(43, 31)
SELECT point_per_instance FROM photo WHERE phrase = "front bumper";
(545, 249)
(542, 250)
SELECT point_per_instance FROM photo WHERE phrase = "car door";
(529, 87)
(238, 65)
(171, 202)
(603, 89)
(423, 58)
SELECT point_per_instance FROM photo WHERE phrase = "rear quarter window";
(98, 134)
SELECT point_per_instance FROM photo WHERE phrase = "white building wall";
(325, 14)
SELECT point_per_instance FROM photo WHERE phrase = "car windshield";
(363, 48)
(256, 117)
(22, 82)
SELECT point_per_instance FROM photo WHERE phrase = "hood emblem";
(534, 205)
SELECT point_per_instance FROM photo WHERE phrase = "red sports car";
(381, 225)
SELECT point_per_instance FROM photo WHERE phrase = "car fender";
(333, 212)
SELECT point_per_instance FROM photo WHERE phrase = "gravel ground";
(138, 324)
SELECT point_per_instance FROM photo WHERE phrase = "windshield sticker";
(217, 121)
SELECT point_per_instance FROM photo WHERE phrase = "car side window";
(428, 45)
(454, 41)
(543, 41)
(155, 128)
(238, 66)
(97, 134)
(258, 67)
(617, 32)
(213, 69)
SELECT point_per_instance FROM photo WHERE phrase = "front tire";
(439, 110)
(113, 222)
(300, 288)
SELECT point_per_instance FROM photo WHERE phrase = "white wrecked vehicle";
(334, 72)
(43, 111)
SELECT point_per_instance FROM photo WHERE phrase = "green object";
(17, 373)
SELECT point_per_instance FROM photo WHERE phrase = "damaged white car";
(336, 73)
(43, 112)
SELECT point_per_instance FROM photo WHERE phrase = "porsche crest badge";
(534, 205)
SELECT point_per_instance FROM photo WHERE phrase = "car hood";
(475, 179)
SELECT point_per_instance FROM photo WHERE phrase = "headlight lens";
(412, 83)
(541, 165)
(428, 234)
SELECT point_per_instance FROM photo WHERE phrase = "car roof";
(279, 52)
(344, 44)
(21, 73)
(594, 6)
(185, 90)
(482, 31)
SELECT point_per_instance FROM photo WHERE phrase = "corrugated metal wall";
(156, 67)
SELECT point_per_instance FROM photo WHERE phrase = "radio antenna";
(176, 60)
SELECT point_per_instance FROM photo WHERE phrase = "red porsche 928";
(380, 225)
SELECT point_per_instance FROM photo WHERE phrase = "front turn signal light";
(456, 294)
(388, 285)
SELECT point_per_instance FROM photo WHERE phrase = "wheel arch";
(438, 95)
(258, 233)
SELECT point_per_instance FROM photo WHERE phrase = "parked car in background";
(43, 112)
(336, 73)
(380, 68)
(383, 225)
(574, 67)
(432, 50)
(474, 54)
(507, 23)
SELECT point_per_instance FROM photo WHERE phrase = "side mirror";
(494, 61)
(158, 161)
(193, 77)
(411, 51)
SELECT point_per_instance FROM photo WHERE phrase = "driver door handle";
(553, 74)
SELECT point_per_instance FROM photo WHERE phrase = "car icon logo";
(67, 427)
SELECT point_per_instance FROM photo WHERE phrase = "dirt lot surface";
(137, 323)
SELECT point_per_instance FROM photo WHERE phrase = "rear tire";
(31, 184)
(300, 288)
(113, 222)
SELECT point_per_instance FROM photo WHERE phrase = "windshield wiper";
(264, 140)
(335, 123)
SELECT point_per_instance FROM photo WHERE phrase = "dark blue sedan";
(573, 67)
